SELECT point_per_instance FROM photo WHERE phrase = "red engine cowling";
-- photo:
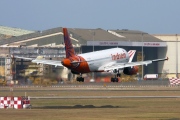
(131, 70)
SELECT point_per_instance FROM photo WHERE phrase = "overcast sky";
(152, 16)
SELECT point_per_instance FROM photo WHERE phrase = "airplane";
(114, 60)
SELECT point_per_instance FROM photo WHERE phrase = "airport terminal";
(50, 45)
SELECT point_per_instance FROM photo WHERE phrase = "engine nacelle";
(131, 70)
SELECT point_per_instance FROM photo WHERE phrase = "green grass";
(97, 109)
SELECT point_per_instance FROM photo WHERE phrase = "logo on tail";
(68, 44)
(131, 54)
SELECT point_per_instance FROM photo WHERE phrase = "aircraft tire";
(80, 79)
(112, 79)
(116, 80)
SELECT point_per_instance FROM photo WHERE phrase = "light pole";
(79, 45)
(93, 51)
(80, 51)
(142, 56)
(93, 40)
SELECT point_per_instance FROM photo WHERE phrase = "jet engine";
(131, 70)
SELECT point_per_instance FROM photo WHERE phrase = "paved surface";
(141, 83)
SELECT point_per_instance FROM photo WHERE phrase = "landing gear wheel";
(114, 79)
(80, 79)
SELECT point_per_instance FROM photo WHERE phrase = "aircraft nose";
(66, 62)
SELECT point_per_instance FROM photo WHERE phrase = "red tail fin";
(68, 45)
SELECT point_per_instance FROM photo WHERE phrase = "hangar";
(173, 52)
(49, 43)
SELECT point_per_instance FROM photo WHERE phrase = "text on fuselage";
(118, 56)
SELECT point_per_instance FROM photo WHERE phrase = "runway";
(102, 97)
(131, 84)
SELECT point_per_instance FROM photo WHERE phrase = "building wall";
(172, 66)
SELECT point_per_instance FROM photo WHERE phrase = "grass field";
(96, 109)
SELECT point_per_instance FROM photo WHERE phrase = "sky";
(151, 16)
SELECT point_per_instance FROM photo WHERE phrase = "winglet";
(167, 58)
(68, 44)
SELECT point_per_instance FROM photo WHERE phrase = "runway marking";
(94, 86)
(101, 97)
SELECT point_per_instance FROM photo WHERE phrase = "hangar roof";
(79, 36)
(138, 36)
(95, 34)
(113, 35)
(13, 31)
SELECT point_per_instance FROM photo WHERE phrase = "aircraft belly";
(98, 65)
(94, 66)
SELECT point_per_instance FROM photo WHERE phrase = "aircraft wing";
(25, 58)
(131, 64)
(47, 62)
(40, 60)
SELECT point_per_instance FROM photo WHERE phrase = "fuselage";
(95, 61)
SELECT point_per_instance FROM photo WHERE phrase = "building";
(173, 52)
(50, 44)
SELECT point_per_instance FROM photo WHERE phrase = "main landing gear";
(115, 78)
(80, 78)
